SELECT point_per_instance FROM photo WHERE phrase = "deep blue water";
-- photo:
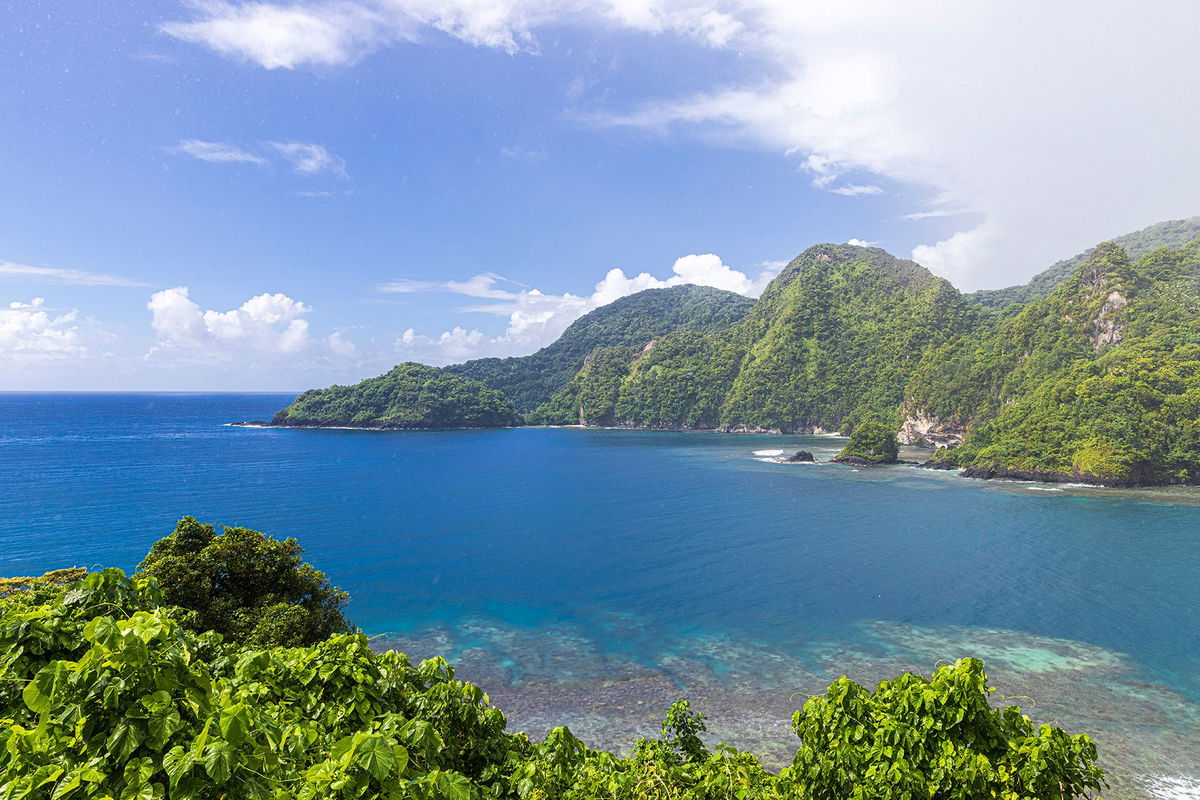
(684, 534)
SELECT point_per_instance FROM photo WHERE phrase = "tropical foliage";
(1099, 381)
(871, 441)
(529, 381)
(1173, 233)
(833, 340)
(408, 396)
(245, 585)
(105, 694)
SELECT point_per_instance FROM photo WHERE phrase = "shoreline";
(979, 473)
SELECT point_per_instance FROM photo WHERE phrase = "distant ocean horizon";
(587, 577)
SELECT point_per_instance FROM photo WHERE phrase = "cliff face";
(919, 428)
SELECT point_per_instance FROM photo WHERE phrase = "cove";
(589, 576)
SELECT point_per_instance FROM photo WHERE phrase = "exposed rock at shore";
(922, 429)
(999, 472)
(857, 461)
(938, 463)
(800, 457)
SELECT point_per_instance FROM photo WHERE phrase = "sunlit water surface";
(589, 577)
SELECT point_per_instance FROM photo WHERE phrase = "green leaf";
(176, 763)
(376, 757)
(235, 723)
(163, 725)
(219, 761)
(43, 691)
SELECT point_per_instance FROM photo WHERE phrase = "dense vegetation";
(872, 442)
(529, 381)
(1090, 373)
(833, 340)
(408, 396)
(1099, 381)
(105, 693)
(1173, 233)
(248, 587)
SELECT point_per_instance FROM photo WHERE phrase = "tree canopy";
(244, 585)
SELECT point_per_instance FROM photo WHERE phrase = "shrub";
(246, 586)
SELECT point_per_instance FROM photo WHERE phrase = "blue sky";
(269, 195)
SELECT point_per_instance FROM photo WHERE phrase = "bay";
(588, 577)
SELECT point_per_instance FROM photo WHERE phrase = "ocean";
(589, 577)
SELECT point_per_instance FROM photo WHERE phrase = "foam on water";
(768, 452)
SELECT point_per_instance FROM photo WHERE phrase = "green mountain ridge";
(1096, 379)
(408, 396)
(530, 381)
(831, 342)
(1172, 233)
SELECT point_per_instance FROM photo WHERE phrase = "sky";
(274, 195)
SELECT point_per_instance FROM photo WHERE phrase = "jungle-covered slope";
(832, 341)
(1098, 381)
(529, 381)
(407, 396)
(1172, 233)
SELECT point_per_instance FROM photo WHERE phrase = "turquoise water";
(592, 575)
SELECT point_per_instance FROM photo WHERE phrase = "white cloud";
(861, 243)
(536, 319)
(217, 152)
(955, 257)
(340, 346)
(264, 324)
(31, 335)
(284, 36)
(71, 276)
(307, 158)
(1060, 124)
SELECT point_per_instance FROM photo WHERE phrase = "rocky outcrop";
(922, 429)
(800, 457)
(859, 461)
(800, 429)
(1138, 477)
(1106, 328)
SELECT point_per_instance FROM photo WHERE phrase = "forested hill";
(1098, 381)
(491, 392)
(1173, 233)
(833, 340)
(407, 396)
(529, 381)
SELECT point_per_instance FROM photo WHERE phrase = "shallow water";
(588, 577)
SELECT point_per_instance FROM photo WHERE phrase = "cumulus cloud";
(340, 346)
(536, 318)
(264, 324)
(32, 335)
(70, 276)
(1056, 124)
